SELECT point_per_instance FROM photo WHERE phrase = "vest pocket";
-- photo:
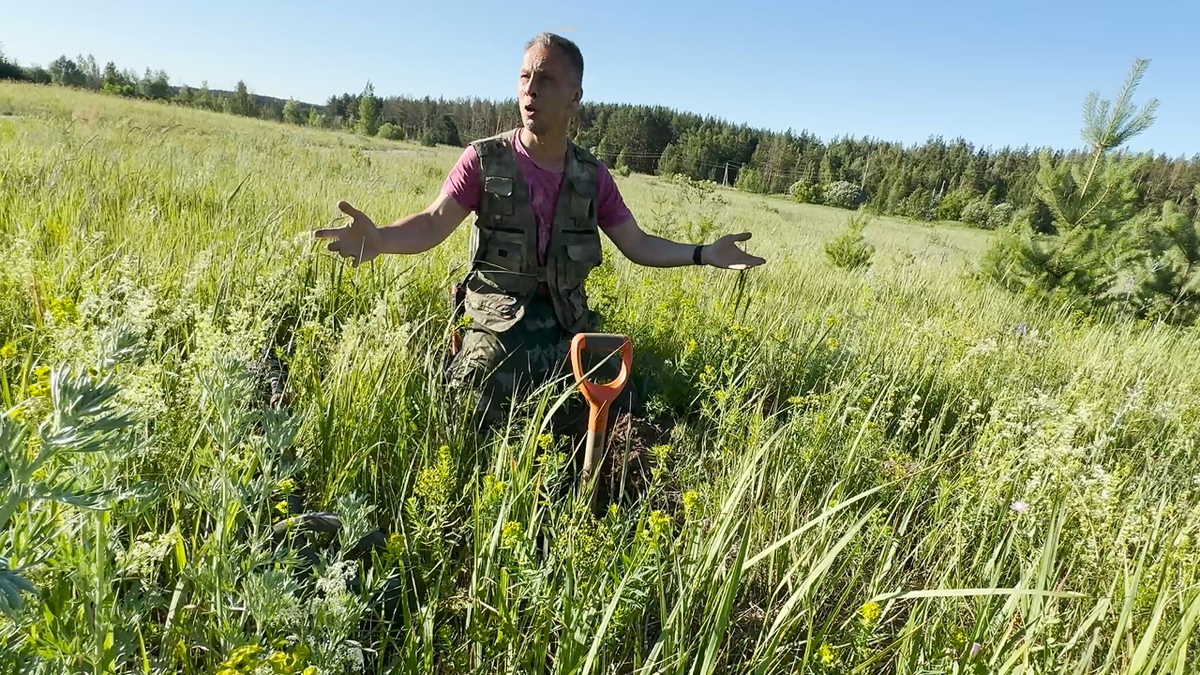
(503, 250)
(581, 258)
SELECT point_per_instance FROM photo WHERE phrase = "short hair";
(568, 48)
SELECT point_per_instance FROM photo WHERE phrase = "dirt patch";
(627, 468)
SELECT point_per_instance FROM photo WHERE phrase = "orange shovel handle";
(599, 396)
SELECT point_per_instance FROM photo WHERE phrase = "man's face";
(549, 91)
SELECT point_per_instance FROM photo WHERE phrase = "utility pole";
(725, 180)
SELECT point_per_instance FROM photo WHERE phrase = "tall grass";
(899, 470)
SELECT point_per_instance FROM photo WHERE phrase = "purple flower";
(975, 649)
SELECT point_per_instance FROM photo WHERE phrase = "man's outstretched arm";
(651, 251)
(362, 241)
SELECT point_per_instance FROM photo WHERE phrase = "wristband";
(696, 255)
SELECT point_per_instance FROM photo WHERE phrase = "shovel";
(598, 396)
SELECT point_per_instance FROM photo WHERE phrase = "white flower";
(1020, 506)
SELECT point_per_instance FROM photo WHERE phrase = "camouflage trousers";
(497, 368)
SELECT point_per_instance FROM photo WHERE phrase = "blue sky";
(995, 73)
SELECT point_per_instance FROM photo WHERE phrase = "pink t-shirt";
(464, 185)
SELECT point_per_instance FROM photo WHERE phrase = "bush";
(842, 194)
(804, 192)
(623, 171)
(749, 180)
(429, 138)
(976, 212)
(1000, 216)
(850, 250)
(951, 206)
(391, 132)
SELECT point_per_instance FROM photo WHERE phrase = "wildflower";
(282, 507)
(870, 612)
(395, 546)
(8, 351)
(827, 656)
(287, 486)
(311, 670)
(1020, 506)
(545, 441)
(690, 501)
(510, 536)
(975, 649)
(659, 522)
(831, 344)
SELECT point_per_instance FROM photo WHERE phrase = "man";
(541, 202)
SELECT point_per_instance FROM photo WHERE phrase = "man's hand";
(726, 254)
(651, 251)
(359, 241)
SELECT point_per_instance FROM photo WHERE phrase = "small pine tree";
(240, 103)
(1103, 251)
(203, 99)
(291, 112)
(850, 249)
(368, 112)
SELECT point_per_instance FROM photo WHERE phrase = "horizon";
(979, 109)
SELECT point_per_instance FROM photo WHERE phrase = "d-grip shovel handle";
(599, 396)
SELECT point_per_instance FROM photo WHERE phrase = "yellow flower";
(8, 351)
(831, 344)
(659, 522)
(510, 536)
(870, 612)
(395, 546)
(311, 670)
(282, 506)
(827, 656)
(545, 441)
(287, 486)
(690, 500)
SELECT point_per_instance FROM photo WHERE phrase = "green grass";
(836, 494)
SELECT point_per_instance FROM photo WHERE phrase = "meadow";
(900, 469)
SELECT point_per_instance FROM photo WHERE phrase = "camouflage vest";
(504, 272)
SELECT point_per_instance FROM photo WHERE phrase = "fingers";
(335, 245)
(328, 234)
(744, 236)
(345, 208)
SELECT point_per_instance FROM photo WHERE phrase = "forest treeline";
(936, 180)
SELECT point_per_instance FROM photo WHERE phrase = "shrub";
(804, 192)
(622, 171)
(391, 132)
(842, 194)
(1000, 216)
(951, 206)
(749, 180)
(850, 250)
(976, 212)
(429, 138)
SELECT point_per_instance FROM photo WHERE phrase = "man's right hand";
(360, 240)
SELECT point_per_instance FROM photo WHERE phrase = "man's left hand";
(726, 254)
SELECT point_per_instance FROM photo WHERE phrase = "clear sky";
(996, 73)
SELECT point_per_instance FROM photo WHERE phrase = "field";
(898, 470)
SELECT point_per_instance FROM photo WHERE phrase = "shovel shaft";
(595, 442)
